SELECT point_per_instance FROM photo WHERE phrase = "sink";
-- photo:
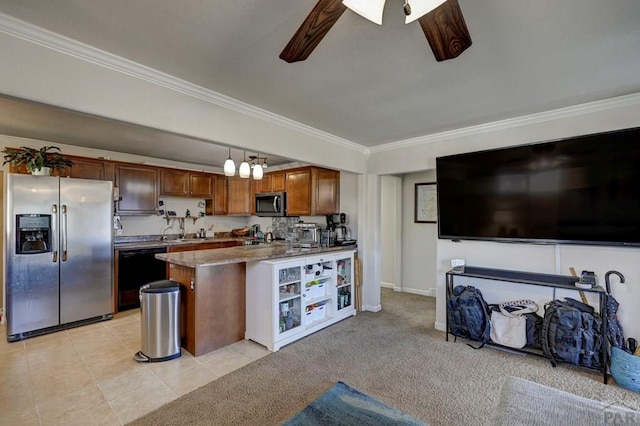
(182, 240)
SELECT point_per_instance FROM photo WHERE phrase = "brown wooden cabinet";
(200, 185)
(174, 182)
(298, 184)
(181, 183)
(87, 168)
(138, 189)
(278, 182)
(220, 195)
(264, 185)
(312, 191)
(327, 191)
(239, 196)
(212, 303)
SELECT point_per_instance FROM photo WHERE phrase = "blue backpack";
(571, 332)
(469, 315)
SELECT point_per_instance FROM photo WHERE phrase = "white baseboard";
(370, 308)
(440, 326)
(387, 285)
(430, 292)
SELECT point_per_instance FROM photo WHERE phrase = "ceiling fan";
(444, 26)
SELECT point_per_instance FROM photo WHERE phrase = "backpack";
(468, 314)
(572, 332)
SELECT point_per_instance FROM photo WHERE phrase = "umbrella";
(614, 329)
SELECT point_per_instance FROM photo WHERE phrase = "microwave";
(271, 204)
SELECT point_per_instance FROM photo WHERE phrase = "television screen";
(582, 190)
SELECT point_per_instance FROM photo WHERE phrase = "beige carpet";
(395, 356)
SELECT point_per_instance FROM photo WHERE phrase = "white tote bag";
(510, 328)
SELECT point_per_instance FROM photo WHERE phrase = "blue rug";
(343, 405)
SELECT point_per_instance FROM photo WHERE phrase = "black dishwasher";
(137, 267)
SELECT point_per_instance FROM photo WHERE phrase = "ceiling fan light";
(229, 166)
(419, 8)
(369, 9)
(257, 172)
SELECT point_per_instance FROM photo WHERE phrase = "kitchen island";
(214, 287)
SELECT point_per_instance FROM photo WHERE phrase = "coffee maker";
(338, 231)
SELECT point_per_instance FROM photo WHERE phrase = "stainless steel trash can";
(159, 308)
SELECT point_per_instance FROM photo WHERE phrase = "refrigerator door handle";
(63, 233)
(54, 221)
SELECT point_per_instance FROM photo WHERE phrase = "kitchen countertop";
(241, 254)
(152, 241)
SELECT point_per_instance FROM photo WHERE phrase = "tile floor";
(87, 375)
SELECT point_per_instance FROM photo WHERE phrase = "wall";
(155, 225)
(419, 248)
(388, 221)
(41, 67)
(2, 252)
(420, 154)
(70, 75)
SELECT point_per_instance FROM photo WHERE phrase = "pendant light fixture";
(229, 166)
(245, 169)
(372, 9)
(257, 170)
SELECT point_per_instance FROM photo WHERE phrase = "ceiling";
(365, 83)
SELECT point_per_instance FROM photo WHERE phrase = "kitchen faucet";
(182, 230)
(164, 236)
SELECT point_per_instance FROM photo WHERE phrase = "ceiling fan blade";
(446, 30)
(324, 14)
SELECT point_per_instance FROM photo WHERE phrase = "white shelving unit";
(294, 297)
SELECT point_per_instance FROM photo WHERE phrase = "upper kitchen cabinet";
(181, 183)
(298, 184)
(312, 191)
(239, 197)
(327, 191)
(263, 185)
(271, 182)
(88, 168)
(220, 198)
(278, 182)
(200, 185)
(138, 189)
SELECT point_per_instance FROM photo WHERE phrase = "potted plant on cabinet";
(36, 161)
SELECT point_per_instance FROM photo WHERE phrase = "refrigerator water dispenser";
(33, 233)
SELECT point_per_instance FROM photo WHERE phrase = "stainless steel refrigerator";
(59, 253)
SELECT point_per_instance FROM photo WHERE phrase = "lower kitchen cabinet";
(290, 299)
(212, 305)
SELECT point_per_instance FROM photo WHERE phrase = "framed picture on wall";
(426, 207)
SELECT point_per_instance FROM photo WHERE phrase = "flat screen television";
(581, 190)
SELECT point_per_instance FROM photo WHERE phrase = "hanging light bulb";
(257, 170)
(229, 166)
(245, 169)
(264, 163)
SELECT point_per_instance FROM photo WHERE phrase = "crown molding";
(542, 117)
(40, 36)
